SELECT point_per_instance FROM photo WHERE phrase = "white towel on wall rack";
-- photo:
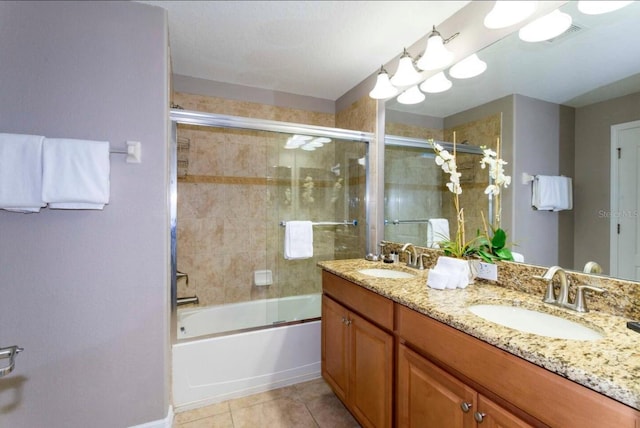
(21, 172)
(298, 240)
(552, 193)
(437, 231)
(75, 173)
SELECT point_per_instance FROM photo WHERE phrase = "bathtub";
(217, 368)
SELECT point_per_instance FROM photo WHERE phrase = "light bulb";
(411, 96)
(471, 66)
(437, 83)
(546, 27)
(383, 89)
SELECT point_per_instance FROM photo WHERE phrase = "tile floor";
(309, 404)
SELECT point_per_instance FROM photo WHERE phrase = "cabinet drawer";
(542, 394)
(367, 303)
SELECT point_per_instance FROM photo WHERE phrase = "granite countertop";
(610, 366)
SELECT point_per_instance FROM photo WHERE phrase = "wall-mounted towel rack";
(405, 221)
(329, 223)
(133, 151)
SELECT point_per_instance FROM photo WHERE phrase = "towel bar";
(405, 221)
(9, 353)
(133, 151)
(329, 223)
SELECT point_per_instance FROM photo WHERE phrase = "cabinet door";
(495, 416)
(370, 382)
(428, 397)
(335, 347)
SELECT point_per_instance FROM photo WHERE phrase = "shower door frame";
(188, 117)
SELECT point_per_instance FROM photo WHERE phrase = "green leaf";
(499, 239)
(504, 254)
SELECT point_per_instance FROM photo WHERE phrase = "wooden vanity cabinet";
(438, 369)
(428, 396)
(357, 354)
(537, 395)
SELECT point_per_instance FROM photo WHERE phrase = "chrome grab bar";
(9, 353)
(186, 300)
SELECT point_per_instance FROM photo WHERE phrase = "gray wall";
(593, 174)
(536, 152)
(537, 138)
(86, 292)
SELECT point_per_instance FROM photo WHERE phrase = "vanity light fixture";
(546, 27)
(506, 13)
(593, 7)
(406, 74)
(436, 83)
(469, 67)
(383, 89)
(411, 96)
(296, 141)
(436, 55)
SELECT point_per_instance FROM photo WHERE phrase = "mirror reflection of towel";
(437, 231)
(298, 240)
(552, 193)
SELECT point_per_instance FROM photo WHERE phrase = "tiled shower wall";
(234, 189)
(415, 185)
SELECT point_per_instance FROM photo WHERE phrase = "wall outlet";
(488, 271)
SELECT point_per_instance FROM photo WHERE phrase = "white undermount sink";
(535, 322)
(386, 273)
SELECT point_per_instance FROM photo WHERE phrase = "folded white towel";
(298, 240)
(517, 257)
(75, 173)
(457, 271)
(437, 279)
(552, 193)
(437, 231)
(21, 172)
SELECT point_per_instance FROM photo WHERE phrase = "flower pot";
(452, 273)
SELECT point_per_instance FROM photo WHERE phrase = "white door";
(625, 200)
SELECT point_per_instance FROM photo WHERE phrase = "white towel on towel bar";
(298, 240)
(437, 231)
(21, 172)
(552, 193)
(75, 173)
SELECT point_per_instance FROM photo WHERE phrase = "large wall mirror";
(553, 104)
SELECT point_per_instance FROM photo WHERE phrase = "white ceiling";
(598, 62)
(320, 49)
(323, 49)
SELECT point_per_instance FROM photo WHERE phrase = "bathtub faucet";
(186, 300)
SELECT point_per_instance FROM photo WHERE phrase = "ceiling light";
(436, 83)
(597, 7)
(383, 89)
(406, 75)
(507, 13)
(436, 55)
(321, 140)
(471, 66)
(411, 96)
(546, 27)
(296, 141)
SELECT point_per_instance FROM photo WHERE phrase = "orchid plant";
(489, 247)
(499, 179)
(458, 247)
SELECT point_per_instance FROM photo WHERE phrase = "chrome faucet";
(413, 258)
(562, 299)
(550, 295)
